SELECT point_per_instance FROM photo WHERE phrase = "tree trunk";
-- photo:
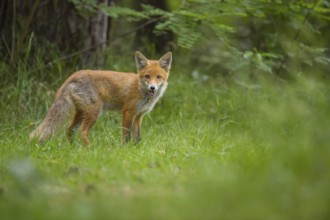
(57, 22)
(96, 37)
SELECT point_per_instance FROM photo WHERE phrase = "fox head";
(153, 73)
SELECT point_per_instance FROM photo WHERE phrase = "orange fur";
(88, 92)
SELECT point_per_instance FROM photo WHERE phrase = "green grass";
(219, 149)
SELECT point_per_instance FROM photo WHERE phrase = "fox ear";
(141, 61)
(165, 61)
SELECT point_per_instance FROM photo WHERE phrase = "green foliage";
(264, 36)
(85, 7)
(271, 36)
(122, 12)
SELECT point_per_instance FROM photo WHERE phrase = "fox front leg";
(127, 122)
(136, 128)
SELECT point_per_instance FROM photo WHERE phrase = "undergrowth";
(214, 147)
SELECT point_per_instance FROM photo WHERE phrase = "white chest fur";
(148, 102)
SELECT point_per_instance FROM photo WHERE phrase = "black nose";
(152, 88)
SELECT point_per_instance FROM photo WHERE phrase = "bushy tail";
(53, 120)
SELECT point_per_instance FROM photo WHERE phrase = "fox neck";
(148, 102)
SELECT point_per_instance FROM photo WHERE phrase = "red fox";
(88, 92)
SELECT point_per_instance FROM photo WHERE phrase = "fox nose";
(152, 88)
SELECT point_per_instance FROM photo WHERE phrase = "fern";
(187, 31)
(151, 11)
(122, 12)
(272, 26)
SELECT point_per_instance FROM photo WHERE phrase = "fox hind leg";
(88, 120)
(88, 105)
(75, 124)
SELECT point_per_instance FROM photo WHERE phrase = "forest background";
(242, 131)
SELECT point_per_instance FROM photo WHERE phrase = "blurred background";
(241, 133)
(222, 37)
(43, 41)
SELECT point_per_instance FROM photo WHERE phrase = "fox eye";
(147, 76)
(159, 76)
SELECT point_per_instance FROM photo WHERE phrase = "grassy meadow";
(213, 148)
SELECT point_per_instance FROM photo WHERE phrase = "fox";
(86, 93)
